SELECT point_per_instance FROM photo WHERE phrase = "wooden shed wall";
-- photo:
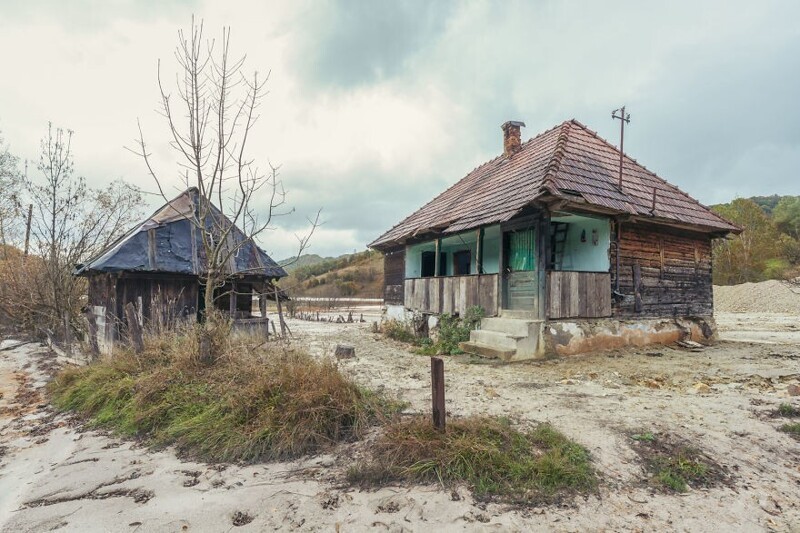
(162, 299)
(394, 273)
(665, 272)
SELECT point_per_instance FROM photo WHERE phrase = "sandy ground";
(56, 476)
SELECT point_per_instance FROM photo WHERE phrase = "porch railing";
(452, 294)
(578, 294)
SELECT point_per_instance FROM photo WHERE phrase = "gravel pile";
(770, 296)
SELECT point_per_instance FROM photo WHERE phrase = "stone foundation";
(570, 337)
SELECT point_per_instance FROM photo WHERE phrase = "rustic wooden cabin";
(158, 266)
(563, 253)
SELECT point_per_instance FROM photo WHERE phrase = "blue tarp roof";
(170, 241)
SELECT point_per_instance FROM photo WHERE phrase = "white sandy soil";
(54, 476)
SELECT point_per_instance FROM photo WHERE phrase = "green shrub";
(454, 330)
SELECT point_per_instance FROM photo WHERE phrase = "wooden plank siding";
(452, 294)
(394, 273)
(663, 272)
(578, 294)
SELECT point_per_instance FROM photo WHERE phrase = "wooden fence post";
(134, 328)
(67, 333)
(437, 392)
(91, 320)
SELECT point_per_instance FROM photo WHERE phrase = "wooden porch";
(452, 294)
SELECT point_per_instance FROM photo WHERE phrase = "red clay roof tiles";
(567, 160)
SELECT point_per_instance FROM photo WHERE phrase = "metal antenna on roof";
(623, 119)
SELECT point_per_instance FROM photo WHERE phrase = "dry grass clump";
(252, 405)
(494, 459)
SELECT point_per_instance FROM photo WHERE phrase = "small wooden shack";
(562, 253)
(158, 266)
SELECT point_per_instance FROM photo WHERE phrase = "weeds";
(496, 460)
(792, 429)
(673, 465)
(787, 410)
(249, 406)
(399, 331)
(452, 331)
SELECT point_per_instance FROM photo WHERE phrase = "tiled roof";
(568, 161)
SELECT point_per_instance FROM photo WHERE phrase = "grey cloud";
(347, 43)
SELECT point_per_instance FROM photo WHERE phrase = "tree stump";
(344, 351)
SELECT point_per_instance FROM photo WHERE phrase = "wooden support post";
(262, 303)
(91, 321)
(479, 253)
(280, 313)
(437, 392)
(436, 260)
(637, 287)
(134, 328)
(232, 300)
(262, 308)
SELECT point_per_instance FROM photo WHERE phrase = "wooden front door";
(520, 277)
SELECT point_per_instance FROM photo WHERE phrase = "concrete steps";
(513, 336)
(485, 350)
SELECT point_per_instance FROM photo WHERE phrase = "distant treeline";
(769, 246)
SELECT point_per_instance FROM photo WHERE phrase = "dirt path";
(52, 476)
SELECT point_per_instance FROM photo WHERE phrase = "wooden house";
(159, 267)
(564, 254)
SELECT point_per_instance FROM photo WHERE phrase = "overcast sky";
(376, 106)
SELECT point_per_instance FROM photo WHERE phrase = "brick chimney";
(511, 137)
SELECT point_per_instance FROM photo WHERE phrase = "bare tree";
(70, 223)
(210, 120)
(10, 179)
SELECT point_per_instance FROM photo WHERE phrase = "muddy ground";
(54, 476)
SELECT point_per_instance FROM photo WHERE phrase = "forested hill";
(769, 246)
(290, 264)
(357, 275)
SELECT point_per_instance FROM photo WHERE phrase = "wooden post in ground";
(91, 320)
(67, 333)
(134, 328)
(280, 312)
(437, 392)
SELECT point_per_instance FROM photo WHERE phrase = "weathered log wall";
(578, 294)
(452, 294)
(394, 273)
(663, 273)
